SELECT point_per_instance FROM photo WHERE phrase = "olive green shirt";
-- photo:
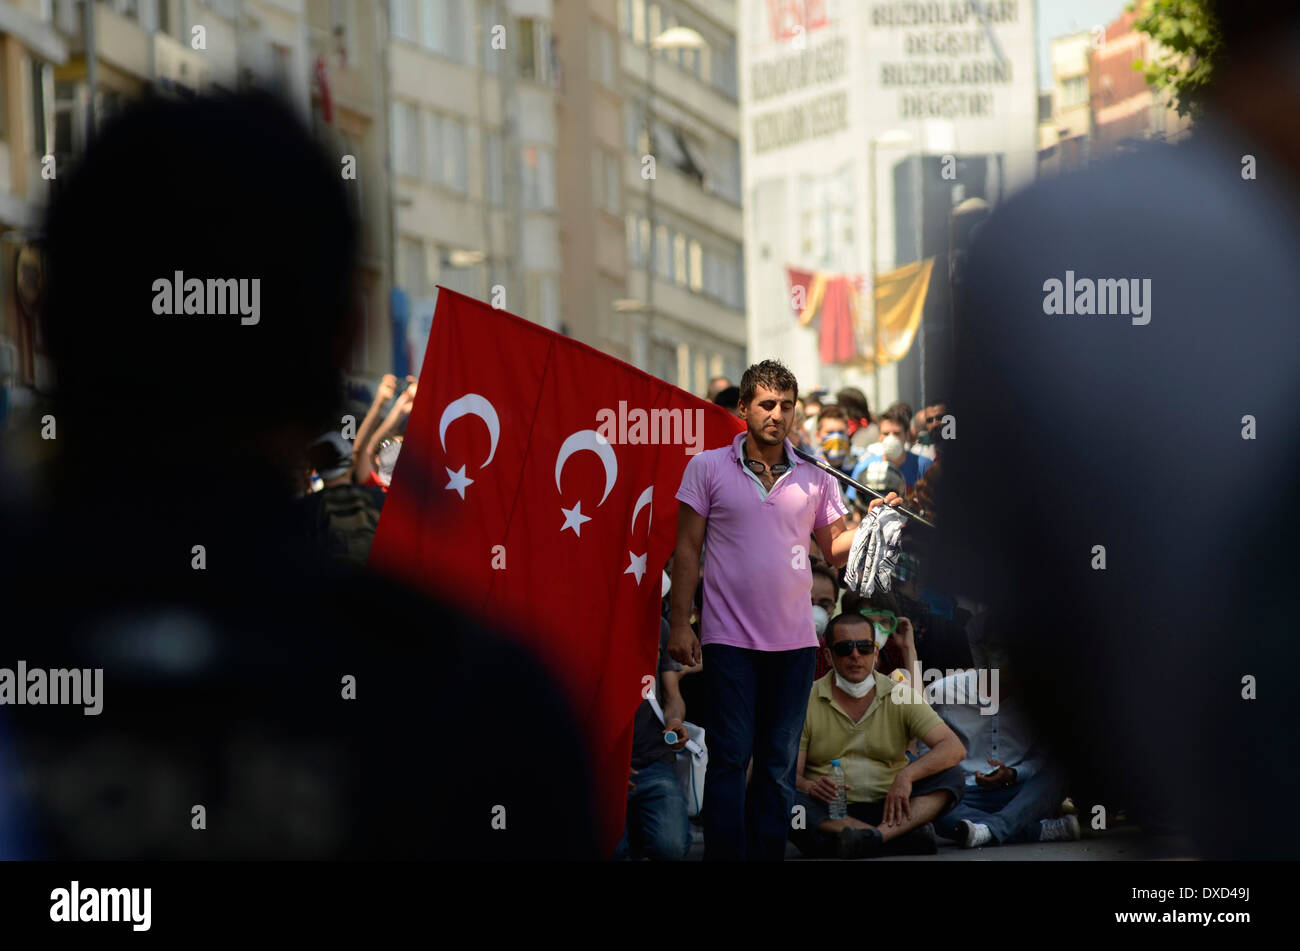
(871, 750)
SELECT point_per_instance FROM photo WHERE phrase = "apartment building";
(472, 87)
(683, 318)
(1065, 137)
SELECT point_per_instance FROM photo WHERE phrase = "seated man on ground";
(657, 825)
(853, 717)
(1012, 789)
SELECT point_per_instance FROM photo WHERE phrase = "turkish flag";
(535, 489)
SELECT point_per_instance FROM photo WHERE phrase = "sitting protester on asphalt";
(657, 824)
(854, 717)
(1012, 789)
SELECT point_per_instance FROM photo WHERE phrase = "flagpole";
(854, 483)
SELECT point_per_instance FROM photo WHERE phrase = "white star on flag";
(458, 481)
(573, 518)
(637, 567)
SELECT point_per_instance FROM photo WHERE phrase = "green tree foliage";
(1187, 31)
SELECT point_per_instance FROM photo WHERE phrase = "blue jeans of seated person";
(1011, 812)
(657, 826)
(759, 699)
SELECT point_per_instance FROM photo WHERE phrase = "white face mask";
(820, 619)
(892, 448)
(856, 691)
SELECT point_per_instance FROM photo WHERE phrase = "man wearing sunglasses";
(866, 721)
(758, 503)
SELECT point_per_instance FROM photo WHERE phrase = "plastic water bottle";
(839, 805)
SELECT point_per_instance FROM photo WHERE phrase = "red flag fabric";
(535, 489)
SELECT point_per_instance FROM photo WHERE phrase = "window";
(634, 127)
(446, 149)
(495, 184)
(42, 81)
(405, 121)
(433, 147)
(663, 259)
(601, 57)
(633, 245)
(549, 314)
(343, 33)
(404, 20)
(679, 259)
(487, 23)
(442, 27)
(724, 169)
(1074, 91)
(696, 258)
(414, 277)
(724, 69)
(638, 22)
(534, 49)
(538, 177)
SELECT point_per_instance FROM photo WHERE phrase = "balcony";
(177, 65)
(697, 311)
(684, 197)
(685, 90)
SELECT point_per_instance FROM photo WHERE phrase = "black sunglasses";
(845, 648)
(759, 468)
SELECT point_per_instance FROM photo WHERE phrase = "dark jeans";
(759, 702)
(657, 827)
(815, 843)
(1010, 812)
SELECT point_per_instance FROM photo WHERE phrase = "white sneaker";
(1064, 829)
(972, 835)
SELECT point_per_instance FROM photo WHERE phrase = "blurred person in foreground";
(292, 699)
(1137, 587)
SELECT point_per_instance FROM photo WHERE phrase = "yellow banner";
(900, 301)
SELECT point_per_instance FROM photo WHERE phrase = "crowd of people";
(917, 766)
(921, 758)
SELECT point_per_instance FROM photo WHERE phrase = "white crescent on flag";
(637, 565)
(471, 404)
(590, 441)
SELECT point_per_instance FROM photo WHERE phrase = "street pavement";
(1122, 845)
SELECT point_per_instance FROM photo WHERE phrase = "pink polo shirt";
(754, 595)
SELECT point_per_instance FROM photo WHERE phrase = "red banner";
(535, 490)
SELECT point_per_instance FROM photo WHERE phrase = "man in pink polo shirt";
(755, 503)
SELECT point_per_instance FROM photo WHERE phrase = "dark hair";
(728, 398)
(772, 374)
(899, 413)
(844, 617)
(881, 601)
(831, 412)
(854, 402)
(826, 571)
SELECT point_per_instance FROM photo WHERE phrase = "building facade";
(864, 125)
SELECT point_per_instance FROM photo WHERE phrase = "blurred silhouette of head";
(219, 190)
